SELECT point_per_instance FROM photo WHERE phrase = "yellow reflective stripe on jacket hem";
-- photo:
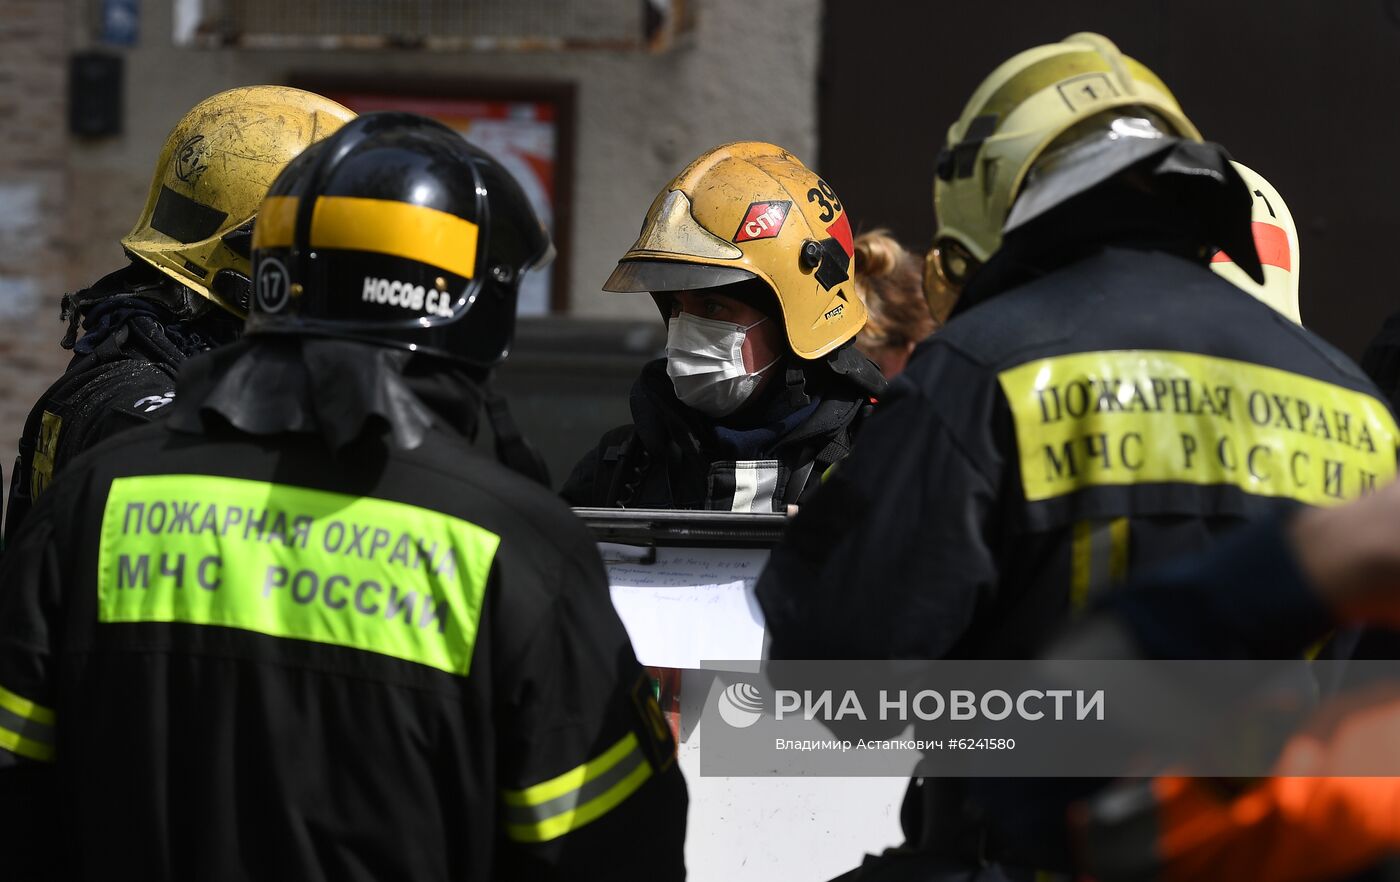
(1118, 551)
(1098, 559)
(1079, 564)
(552, 808)
(26, 728)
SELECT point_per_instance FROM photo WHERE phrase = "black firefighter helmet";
(396, 231)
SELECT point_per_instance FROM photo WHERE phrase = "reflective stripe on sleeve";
(26, 728)
(560, 805)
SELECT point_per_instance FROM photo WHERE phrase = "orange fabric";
(1271, 242)
(1308, 822)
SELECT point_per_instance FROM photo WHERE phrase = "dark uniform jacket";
(1381, 360)
(122, 375)
(1049, 442)
(1056, 438)
(227, 655)
(672, 456)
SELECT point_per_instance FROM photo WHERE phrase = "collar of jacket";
(1013, 266)
(172, 320)
(660, 420)
(338, 389)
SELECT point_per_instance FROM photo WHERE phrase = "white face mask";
(705, 361)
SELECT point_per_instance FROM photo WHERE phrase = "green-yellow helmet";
(1013, 117)
(212, 173)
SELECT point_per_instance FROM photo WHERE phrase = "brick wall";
(35, 247)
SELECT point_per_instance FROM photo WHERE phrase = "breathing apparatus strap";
(512, 449)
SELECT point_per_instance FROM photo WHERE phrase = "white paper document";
(690, 604)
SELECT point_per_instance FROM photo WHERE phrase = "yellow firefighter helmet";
(213, 173)
(1276, 241)
(1018, 112)
(752, 210)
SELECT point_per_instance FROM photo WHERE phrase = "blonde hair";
(889, 281)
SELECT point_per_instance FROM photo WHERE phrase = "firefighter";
(747, 254)
(301, 628)
(186, 286)
(1100, 400)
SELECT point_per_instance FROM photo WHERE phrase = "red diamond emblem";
(763, 220)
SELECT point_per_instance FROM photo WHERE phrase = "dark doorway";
(1306, 93)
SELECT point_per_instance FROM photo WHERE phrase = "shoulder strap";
(512, 448)
(22, 479)
(837, 448)
(633, 463)
(43, 432)
(115, 387)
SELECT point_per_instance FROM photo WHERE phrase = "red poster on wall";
(531, 135)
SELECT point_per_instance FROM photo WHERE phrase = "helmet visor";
(644, 276)
(1087, 155)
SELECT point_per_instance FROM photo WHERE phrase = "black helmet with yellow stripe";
(396, 231)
